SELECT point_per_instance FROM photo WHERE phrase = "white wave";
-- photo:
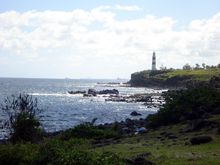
(55, 94)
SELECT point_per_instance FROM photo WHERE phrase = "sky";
(105, 39)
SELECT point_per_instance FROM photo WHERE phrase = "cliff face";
(171, 78)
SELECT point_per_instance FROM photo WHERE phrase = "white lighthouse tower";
(154, 61)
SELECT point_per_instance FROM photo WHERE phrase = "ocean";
(61, 110)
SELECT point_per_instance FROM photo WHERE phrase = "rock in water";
(134, 113)
(109, 91)
(76, 92)
(92, 92)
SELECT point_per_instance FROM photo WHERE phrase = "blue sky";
(105, 39)
(184, 10)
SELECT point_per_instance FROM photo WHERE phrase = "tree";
(163, 67)
(187, 67)
(208, 67)
(218, 66)
(197, 67)
(22, 121)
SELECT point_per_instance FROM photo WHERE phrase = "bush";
(88, 131)
(185, 105)
(18, 154)
(108, 158)
(22, 121)
(58, 152)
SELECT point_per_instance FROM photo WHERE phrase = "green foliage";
(186, 105)
(18, 154)
(202, 74)
(25, 128)
(88, 131)
(108, 158)
(55, 152)
(22, 121)
(58, 152)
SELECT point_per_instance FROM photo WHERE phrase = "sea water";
(61, 110)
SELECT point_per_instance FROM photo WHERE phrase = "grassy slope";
(203, 75)
(144, 78)
(178, 150)
(163, 150)
(169, 151)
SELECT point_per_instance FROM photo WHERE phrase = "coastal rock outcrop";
(103, 92)
(76, 92)
(134, 113)
(109, 91)
(92, 92)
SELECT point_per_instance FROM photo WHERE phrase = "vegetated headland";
(186, 129)
(174, 78)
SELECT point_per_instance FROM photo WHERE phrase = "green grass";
(167, 151)
(172, 77)
(71, 150)
(163, 150)
(203, 75)
(170, 151)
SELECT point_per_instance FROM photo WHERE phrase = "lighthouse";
(154, 61)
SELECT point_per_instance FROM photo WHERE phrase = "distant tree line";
(199, 67)
(187, 66)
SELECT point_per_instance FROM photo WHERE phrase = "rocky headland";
(150, 100)
(172, 79)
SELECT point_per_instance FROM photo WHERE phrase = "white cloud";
(127, 8)
(92, 43)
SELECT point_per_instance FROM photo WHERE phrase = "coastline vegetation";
(185, 131)
(184, 105)
(172, 78)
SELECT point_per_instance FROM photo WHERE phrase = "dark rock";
(116, 99)
(163, 133)
(76, 92)
(200, 139)
(140, 159)
(187, 143)
(87, 95)
(167, 134)
(141, 130)
(129, 161)
(109, 91)
(134, 113)
(129, 122)
(92, 92)
(145, 154)
(171, 137)
(124, 131)
(143, 98)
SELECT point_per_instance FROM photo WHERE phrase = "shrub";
(88, 131)
(108, 158)
(59, 152)
(22, 121)
(186, 105)
(18, 154)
